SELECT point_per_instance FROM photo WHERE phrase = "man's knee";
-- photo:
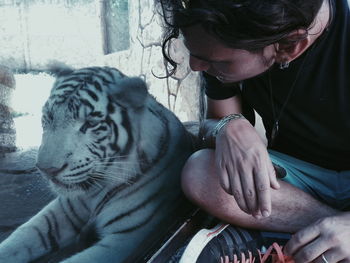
(195, 174)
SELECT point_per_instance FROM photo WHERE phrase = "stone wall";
(34, 32)
(144, 58)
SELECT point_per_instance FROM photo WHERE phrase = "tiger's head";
(87, 126)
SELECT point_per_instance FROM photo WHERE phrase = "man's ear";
(292, 46)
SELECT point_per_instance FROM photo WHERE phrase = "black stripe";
(67, 86)
(96, 114)
(110, 108)
(114, 147)
(101, 139)
(72, 210)
(42, 238)
(104, 80)
(72, 78)
(75, 227)
(53, 242)
(91, 94)
(93, 152)
(101, 128)
(136, 208)
(78, 173)
(84, 128)
(84, 204)
(109, 196)
(56, 226)
(144, 222)
(74, 108)
(163, 172)
(87, 103)
(97, 86)
(108, 72)
(104, 151)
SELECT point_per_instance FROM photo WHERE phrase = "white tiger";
(114, 156)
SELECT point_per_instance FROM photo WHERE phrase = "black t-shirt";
(315, 123)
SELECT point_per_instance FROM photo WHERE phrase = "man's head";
(252, 30)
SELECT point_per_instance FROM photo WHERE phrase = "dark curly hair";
(242, 24)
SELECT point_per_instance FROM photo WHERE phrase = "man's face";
(227, 64)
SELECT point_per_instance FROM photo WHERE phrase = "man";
(290, 61)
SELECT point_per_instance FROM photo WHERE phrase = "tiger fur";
(113, 155)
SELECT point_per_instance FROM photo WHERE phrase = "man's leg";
(292, 209)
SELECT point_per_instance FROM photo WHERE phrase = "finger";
(248, 187)
(331, 255)
(237, 192)
(222, 173)
(274, 171)
(224, 181)
(262, 185)
(312, 251)
(301, 238)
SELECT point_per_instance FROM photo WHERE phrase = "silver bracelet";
(226, 120)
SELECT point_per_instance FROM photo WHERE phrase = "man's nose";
(198, 64)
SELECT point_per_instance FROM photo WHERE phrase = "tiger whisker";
(116, 157)
(96, 184)
(119, 165)
(111, 177)
(117, 171)
(108, 176)
(121, 162)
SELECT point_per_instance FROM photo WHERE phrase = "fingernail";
(266, 213)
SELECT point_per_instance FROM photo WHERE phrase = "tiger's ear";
(130, 92)
(59, 69)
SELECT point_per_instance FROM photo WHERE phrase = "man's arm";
(242, 162)
(217, 109)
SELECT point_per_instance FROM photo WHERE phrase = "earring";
(284, 65)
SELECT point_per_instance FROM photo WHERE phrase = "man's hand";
(329, 237)
(245, 168)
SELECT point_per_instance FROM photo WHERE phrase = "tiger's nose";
(52, 171)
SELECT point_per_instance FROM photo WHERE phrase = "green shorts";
(328, 186)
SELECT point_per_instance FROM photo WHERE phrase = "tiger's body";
(114, 156)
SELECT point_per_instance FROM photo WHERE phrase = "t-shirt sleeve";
(216, 90)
